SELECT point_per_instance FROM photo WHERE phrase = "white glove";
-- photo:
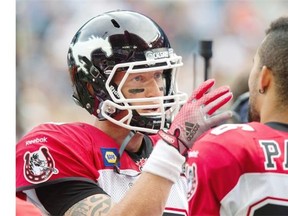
(195, 117)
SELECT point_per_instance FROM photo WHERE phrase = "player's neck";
(135, 143)
(119, 134)
(279, 114)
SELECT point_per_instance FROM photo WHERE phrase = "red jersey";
(53, 153)
(240, 169)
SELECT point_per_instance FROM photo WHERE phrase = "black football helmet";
(130, 42)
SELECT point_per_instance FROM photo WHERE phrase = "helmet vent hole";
(115, 23)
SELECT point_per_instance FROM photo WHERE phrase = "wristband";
(174, 141)
(165, 161)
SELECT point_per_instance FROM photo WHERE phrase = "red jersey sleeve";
(52, 152)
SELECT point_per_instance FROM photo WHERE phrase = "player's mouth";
(150, 110)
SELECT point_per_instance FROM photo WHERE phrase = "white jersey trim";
(251, 189)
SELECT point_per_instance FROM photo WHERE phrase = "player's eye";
(138, 78)
(158, 75)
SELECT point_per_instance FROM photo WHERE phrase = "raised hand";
(196, 116)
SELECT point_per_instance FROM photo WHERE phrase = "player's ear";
(90, 88)
(265, 78)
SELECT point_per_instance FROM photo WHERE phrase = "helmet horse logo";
(85, 48)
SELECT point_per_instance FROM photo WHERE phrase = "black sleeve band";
(59, 197)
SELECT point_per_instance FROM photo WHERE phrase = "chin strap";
(121, 150)
(150, 122)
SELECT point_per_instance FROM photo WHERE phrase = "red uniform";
(240, 170)
(77, 155)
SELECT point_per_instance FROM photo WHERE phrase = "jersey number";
(269, 206)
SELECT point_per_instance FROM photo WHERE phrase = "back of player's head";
(273, 53)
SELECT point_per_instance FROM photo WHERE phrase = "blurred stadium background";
(44, 29)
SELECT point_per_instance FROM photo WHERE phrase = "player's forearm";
(148, 196)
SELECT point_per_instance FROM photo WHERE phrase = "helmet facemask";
(165, 106)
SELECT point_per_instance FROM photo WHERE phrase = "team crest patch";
(109, 156)
(141, 163)
(39, 166)
(192, 180)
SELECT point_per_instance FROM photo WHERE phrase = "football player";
(242, 169)
(123, 71)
